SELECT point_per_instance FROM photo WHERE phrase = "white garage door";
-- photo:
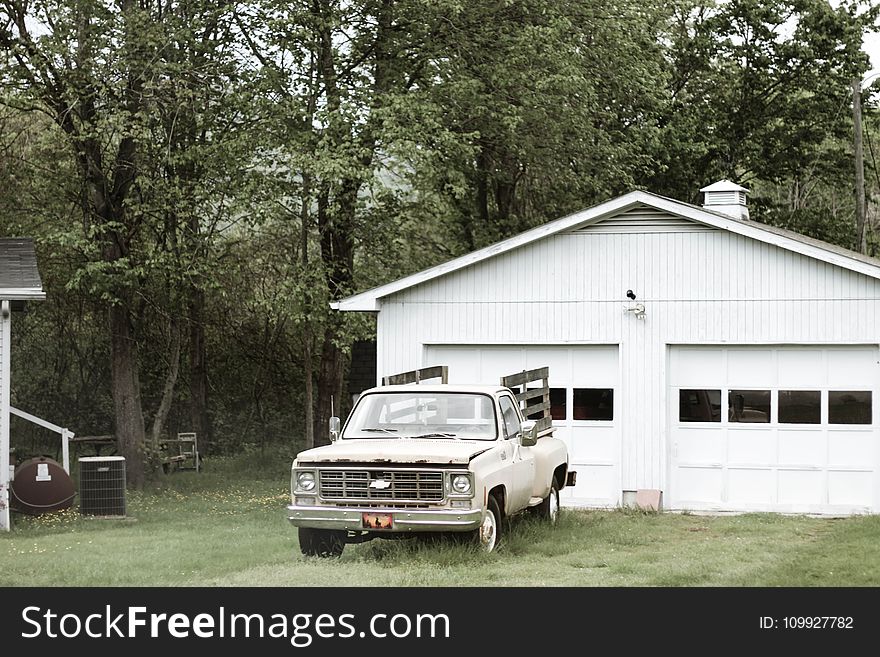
(776, 429)
(584, 395)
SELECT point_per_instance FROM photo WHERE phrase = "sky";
(871, 45)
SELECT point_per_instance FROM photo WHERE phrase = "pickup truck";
(426, 458)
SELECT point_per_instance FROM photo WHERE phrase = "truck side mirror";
(528, 436)
(334, 428)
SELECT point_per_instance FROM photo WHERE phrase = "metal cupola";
(727, 198)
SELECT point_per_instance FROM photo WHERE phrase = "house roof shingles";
(19, 276)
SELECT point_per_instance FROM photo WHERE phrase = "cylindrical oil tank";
(40, 486)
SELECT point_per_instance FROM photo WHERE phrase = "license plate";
(377, 521)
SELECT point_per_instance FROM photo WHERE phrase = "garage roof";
(369, 300)
(19, 277)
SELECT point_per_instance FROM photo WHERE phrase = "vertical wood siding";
(698, 286)
(5, 364)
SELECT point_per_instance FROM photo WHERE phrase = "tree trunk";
(168, 390)
(198, 371)
(330, 380)
(504, 195)
(337, 254)
(130, 433)
(309, 401)
(336, 220)
(861, 241)
(482, 188)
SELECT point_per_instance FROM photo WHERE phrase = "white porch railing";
(66, 435)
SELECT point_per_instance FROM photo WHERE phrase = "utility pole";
(861, 223)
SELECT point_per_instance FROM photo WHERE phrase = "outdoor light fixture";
(637, 309)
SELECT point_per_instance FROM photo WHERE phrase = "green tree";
(339, 73)
(145, 98)
(196, 181)
(759, 92)
(559, 101)
(92, 76)
(60, 355)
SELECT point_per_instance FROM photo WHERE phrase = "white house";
(743, 375)
(19, 282)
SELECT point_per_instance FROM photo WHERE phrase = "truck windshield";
(415, 414)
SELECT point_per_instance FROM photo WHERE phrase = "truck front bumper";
(403, 520)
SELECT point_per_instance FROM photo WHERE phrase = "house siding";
(5, 358)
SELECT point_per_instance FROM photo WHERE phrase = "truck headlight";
(305, 481)
(461, 484)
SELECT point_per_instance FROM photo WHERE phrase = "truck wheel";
(489, 534)
(548, 509)
(321, 542)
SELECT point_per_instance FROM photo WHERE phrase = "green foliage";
(759, 92)
(261, 159)
(557, 103)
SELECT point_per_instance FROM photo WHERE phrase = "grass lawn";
(227, 527)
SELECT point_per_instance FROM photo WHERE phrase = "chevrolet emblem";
(380, 484)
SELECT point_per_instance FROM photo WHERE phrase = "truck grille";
(390, 485)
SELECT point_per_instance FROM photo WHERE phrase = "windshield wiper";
(436, 435)
(379, 430)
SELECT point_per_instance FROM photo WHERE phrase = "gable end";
(642, 219)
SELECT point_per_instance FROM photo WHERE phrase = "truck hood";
(397, 450)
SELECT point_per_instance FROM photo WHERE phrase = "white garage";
(730, 365)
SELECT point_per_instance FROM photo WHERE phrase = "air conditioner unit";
(102, 486)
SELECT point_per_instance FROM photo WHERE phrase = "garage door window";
(748, 406)
(699, 405)
(849, 407)
(800, 406)
(557, 405)
(593, 404)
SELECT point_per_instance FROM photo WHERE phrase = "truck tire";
(488, 535)
(548, 509)
(321, 542)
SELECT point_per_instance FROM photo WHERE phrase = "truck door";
(521, 460)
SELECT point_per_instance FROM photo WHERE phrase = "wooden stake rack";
(533, 399)
(417, 376)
